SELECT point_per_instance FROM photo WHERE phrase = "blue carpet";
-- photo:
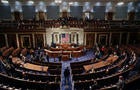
(66, 85)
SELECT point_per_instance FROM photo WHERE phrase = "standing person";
(66, 75)
(120, 84)
(47, 57)
(60, 57)
(103, 50)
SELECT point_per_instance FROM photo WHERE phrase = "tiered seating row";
(29, 74)
(27, 84)
(106, 77)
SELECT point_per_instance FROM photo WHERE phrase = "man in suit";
(66, 75)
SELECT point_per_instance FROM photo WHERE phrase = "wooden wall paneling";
(115, 38)
(41, 15)
(108, 34)
(97, 39)
(131, 16)
(31, 38)
(25, 40)
(138, 38)
(90, 39)
(103, 38)
(65, 14)
(12, 40)
(93, 39)
(133, 38)
(87, 39)
(2, 40)
(109, 15)
(39, 40)
(17, 15)
(124, 38)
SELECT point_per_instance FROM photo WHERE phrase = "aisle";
(66, 85)
(69, 86)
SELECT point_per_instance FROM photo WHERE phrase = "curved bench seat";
(100, 73)
(27, 84)
(100, 64)
(38, 76)
(105, 81)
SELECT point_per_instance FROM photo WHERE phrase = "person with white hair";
(121, 83)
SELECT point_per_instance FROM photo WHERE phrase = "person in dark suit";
(60, 57)
(47, 57)
(66, 75)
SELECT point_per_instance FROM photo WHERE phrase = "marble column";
(110, 36)
(120, 40)
(17, 39)
(33, 40)
(95, 41)
(44, 40)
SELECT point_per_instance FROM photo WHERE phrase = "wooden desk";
(24, 51)
(100, 64)
(3, 49)
(66, 49)
(55, 54)
(65, 57)
(64, 45)
(35, 67)
(8, 51)
(17, 61)
(30, 66)
(16, 52)
(56, 49)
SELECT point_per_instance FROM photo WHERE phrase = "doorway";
(103, 39)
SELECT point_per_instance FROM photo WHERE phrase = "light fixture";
(41, 6)
(108, 7)
(64, 3)
(58, 1)
(76, 3)
(120, 3)
(30, 2)
(70, 3)
(98, 4)
(52, 3)
(41, 3)
(130, 7)
(86, 6)
(17, 3)
(4, 1)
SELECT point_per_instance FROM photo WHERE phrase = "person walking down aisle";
(66, 75)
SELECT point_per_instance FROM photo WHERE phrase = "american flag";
(65, 37)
